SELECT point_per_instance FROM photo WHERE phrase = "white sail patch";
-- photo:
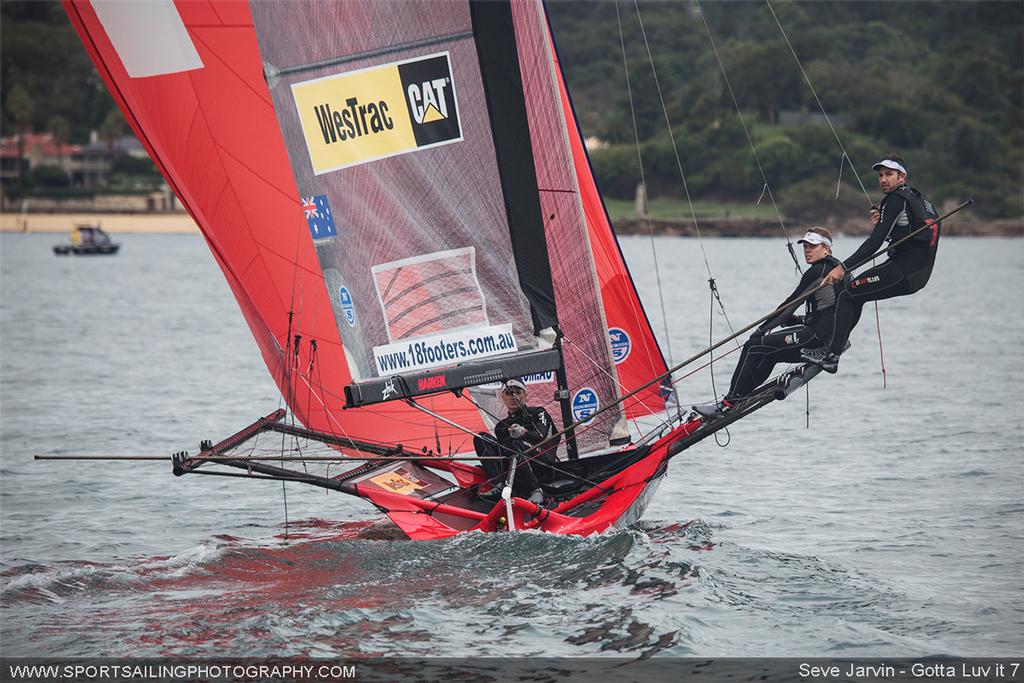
(435, 313)
(149, 37)
(430, 294)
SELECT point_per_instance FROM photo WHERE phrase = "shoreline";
(182, 223)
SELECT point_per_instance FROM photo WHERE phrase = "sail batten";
(369, 54)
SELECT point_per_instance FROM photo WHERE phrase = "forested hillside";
(941, 83)
(46, 74)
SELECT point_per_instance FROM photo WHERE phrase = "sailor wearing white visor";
(515, 437)
(908, 266)
(766, 348)
(814, 238)
(892, 165)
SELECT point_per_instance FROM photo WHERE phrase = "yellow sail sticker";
(395, 482)
(359, 116)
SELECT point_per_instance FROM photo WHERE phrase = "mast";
(562, 395)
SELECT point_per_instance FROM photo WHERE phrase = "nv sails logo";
(361, 116)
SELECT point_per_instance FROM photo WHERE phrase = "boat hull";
(615, 502)
(86, 250)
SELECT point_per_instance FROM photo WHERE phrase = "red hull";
(618, 501)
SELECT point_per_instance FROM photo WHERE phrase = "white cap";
(814, 238)
(889, 163)
(513, 384)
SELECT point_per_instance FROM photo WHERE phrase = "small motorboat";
(87, 240)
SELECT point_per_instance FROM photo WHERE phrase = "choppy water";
(894, 525)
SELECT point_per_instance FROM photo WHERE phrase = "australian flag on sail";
(319, 216)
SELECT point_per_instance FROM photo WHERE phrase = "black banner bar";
(497, 369)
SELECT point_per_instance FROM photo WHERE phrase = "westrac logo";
(360, 116)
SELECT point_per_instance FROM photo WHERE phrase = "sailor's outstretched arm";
(883, 219)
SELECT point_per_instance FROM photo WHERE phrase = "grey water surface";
(892, 525)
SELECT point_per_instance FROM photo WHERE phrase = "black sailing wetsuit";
(763, 351)
(530, 470)
(907, 269)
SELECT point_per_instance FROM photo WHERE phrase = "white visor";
(889, 163)
(814, 238)
(513, 385)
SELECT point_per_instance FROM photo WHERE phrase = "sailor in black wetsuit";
(524, 428)
(765, 349)
(908, 266)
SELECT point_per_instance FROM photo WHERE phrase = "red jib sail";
(362, 263)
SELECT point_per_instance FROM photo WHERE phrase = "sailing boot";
(713, 409)
(822, 357)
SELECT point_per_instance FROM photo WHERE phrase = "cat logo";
(430, 98)
(360, 116)
(427, 101)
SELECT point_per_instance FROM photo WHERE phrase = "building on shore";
(87, 166)
(90, 168)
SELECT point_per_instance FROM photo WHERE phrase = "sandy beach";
(183, 223)
(110, 222)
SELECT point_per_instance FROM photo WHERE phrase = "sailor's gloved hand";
(793, 320)
(516, 431)
(876, 215)
(835, 275)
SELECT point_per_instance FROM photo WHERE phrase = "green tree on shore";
(59, 128)
(22, 109)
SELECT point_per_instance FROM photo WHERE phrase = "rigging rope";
(816, 98)
(675, 151)
(679, 162)
(739, 113)
(881, 353)
(711, 340)
(663, 422)
(643, 183)
(807, 406)
(878, 319)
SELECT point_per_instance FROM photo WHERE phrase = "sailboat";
(400, 199)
